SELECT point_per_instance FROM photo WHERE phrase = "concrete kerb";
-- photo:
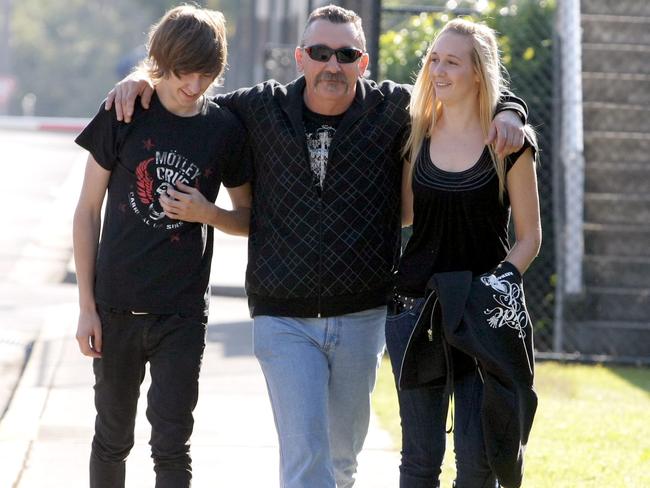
(19, 426)
(15, 349)
(35, 359)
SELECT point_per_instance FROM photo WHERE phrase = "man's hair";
(187, 39)
(336, 15)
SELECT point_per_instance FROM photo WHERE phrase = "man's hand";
(185, 203)
(89, 334)
(123, 94)
(507, 130)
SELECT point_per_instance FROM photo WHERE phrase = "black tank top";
(459, 222)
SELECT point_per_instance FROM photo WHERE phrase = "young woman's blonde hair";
(425, 109)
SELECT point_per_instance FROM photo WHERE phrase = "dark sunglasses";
(323, 53)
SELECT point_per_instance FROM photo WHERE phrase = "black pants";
(423, 420)
(173, 345)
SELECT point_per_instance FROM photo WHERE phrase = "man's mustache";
(338, 77)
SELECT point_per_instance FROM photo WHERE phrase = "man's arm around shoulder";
(124, 93)
(244, 101)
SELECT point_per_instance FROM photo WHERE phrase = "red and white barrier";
(51, 124)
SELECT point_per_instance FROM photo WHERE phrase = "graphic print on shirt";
(154, 176)
(318, 143)
(509, 299)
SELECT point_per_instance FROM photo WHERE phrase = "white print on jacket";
(318, 144)
(509, 310)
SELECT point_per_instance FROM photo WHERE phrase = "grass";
(592, 427)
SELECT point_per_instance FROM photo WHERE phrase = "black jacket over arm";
(486, 318)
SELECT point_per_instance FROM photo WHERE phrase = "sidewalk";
(46, 431)
(45, 435)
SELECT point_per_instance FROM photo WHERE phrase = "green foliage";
(67, 52)
(524, 27)
(401, 50)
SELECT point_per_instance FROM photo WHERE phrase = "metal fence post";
(571, 145)
(558, 201)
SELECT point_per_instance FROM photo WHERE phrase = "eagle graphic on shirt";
(146, 192)
(154, 176)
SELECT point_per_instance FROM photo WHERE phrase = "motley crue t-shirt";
(146, 261)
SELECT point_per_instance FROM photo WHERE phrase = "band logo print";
(154, 176)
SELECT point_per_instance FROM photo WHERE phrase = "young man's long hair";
(187, 39)
(425, 109)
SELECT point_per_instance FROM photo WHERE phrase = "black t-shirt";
(146, 261)
(459, 222)
(319, 130)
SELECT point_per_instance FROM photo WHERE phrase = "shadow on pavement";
(236, 337)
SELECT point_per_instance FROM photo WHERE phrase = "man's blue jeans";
(320, 373)
(423, 416)
(173, 346)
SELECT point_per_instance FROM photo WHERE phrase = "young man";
(324, 238)
(143, 290)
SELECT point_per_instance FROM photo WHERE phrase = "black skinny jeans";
(423, 417)
(173, 345)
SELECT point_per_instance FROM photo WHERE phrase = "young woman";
(458, 194)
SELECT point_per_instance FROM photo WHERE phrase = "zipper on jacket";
(408, 343)
(430, 329)
(319, 192)
(320, 249)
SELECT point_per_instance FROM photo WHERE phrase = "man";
(143, 288)
(324, 239)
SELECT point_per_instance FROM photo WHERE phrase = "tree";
(67, 52)
(525, 29)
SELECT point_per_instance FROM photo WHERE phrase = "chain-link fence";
(584, 70)
(526, 30)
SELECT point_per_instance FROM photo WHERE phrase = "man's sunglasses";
(344, 55)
